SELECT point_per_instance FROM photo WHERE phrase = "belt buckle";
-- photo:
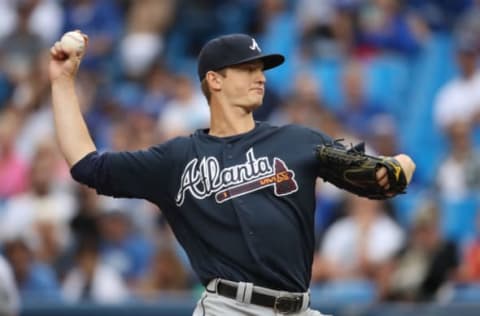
(287, 305)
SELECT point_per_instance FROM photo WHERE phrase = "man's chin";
(257, 103)
(254, 106)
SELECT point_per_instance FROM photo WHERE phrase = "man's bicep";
(139, 174)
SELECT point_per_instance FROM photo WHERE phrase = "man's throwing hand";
(65, 58)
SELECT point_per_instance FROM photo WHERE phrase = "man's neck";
(229, 121)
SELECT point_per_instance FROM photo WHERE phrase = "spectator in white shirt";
(357, 244)
(41, 214)
(459, 99)
(186, 112)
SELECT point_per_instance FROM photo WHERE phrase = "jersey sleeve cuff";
(83, 170)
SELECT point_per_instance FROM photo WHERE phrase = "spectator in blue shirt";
(122, 249)
(35, 281)
(357, 112)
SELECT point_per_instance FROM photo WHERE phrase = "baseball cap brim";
(269, 61)
(231, 50)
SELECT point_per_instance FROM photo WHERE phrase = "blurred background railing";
(184, 308)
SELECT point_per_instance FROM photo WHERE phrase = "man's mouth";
(258, 90)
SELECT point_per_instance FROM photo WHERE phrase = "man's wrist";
(63, 81)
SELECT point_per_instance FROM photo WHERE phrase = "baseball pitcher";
(239, 196)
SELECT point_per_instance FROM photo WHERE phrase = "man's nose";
(261, 77)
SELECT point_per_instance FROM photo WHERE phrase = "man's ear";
(214, 80)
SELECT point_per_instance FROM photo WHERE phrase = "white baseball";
(73, 42)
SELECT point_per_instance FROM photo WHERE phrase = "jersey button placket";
(228, 152)
(241, 203)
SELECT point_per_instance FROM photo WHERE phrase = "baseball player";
(240, 195)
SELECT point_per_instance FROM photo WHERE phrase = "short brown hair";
(204, 84)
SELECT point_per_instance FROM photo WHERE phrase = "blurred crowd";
(400, 75)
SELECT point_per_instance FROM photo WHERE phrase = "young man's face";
(244, 85)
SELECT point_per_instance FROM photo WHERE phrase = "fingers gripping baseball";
(66, 55)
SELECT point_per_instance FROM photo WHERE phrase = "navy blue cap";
(233, 49)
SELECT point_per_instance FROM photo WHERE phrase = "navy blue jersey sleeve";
(138, 174)
(319, 138)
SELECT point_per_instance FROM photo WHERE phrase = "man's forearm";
(71, 130)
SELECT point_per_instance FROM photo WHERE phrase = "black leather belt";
(282, 304)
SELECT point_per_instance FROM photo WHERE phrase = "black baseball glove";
(353, 170)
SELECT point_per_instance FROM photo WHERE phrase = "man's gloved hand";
(364, 175)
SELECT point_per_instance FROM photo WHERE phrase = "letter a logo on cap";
(254, 45)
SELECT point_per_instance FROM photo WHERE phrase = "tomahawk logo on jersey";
(204, 178)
